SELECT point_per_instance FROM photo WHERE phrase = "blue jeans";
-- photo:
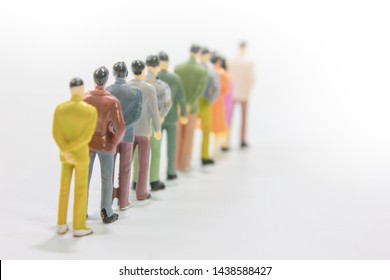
(106, 170)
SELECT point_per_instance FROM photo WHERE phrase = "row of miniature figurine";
(121, 118)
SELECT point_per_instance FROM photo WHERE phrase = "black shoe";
(172, 177)
(225, 149)
(207, 161)
(134, 186)
(244, 145)
(157, 185)
(106, 219)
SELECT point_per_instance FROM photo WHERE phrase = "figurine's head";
(164, 60)
(77, 87)
(204, 55)
(120, 70)
(216, 59)
(223, 63)
(152, 61)
(243, 46)
(153, 64)
(100, 76)
(138, 69)
(194, 50)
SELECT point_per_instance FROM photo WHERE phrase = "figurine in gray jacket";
(142, 129)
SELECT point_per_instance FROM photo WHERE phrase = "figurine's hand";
(68, 157)
(188, 108)
(162, 119)
(111, 128)
(157, 135)
(183, 120)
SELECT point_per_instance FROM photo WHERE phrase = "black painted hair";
(153, 61)
(163, 56)
(100, 76)
(242, 44)
(205, 51)
(76, 82)
(137, 66)
(195, 48)
(214, 57)
(120, 69)
(223, 64)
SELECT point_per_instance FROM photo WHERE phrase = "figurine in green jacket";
(170, 121)
(194, 78)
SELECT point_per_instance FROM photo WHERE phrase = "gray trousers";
(106, 170)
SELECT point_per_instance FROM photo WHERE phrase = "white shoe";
(62, 229)
(126, 207)
(82, 232)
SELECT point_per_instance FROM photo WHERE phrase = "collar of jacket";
(150, 76)
(76, 97)
(99, 90)
(120, 80)
(192, 60)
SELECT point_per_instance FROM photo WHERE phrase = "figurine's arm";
(167, 102)
(215, 87)
(136, 108)
(181, 97)
(251, 74)
(119, 123)
(153, 111)
(200, 87)
(84, 138)
(224, 84)
(57, 135)
(88, 132)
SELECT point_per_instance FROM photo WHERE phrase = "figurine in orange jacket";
(219, 125)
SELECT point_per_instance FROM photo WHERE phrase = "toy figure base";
(62, 229)
(148, 197)
(82, 232)
(108, 219)
(244, 145)
(157, 186)
(129, 204)
(207, 161)
(171, 177)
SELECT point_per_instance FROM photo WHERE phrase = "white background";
(315, 183)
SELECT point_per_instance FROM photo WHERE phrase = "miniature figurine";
(170, 121)
(142, 129)
(73, 127)
(219, 126)
(228, 107)
(209, 96)
(131, 101)
(242, 73)
(164, 103)
(109, 133)
(194, 78)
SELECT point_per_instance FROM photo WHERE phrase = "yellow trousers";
(80, 194)
(205, 116)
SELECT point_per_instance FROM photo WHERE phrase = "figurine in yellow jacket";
(73, 127)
